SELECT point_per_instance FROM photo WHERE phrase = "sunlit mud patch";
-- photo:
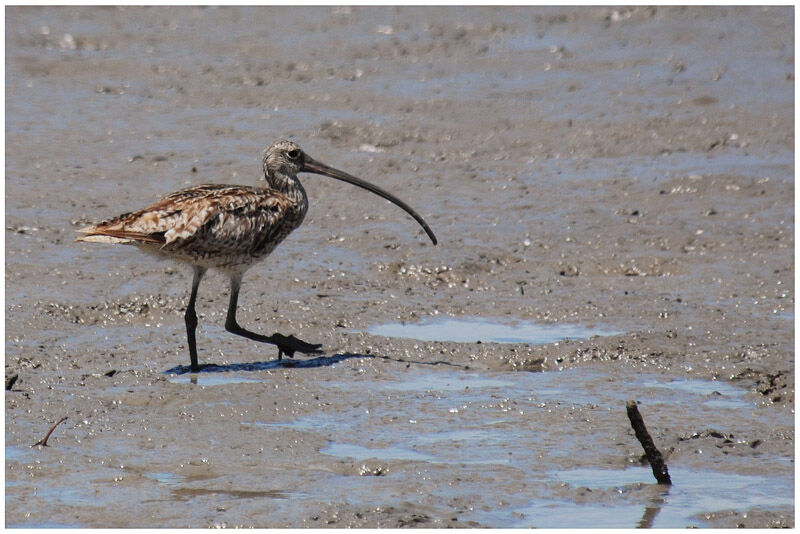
(359, 452)
(472, 330)
(432, 440)
(183, 488)
(170, 479)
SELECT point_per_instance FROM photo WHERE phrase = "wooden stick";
(657, 463)
(43, 442)
(11, 380)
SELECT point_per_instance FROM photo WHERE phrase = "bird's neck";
(290, 186)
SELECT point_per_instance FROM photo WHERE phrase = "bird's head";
(284, 159)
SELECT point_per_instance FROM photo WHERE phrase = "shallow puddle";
(474, 329)
(17, 454)
(210, 379)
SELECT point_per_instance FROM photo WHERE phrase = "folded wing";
(205, 220)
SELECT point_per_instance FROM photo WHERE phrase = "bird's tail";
(98, 234)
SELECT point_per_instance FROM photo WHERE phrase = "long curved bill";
(309, 165)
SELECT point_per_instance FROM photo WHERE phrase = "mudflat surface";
(622, 172)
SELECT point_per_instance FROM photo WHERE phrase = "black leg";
(191, 318)
(286, 344)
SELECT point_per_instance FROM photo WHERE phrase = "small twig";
(43, 442)
(653, 454)
(11, 380)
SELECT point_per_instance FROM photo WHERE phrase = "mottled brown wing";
(230, 221)
(206, 219)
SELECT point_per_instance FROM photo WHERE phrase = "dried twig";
(11, 380)
(43, 441)
(653, 454)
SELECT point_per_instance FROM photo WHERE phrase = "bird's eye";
(293, 154)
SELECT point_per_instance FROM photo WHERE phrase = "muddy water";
(618, 180)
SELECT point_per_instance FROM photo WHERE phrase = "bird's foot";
(288, 345)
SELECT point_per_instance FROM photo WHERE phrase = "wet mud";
(626, 174)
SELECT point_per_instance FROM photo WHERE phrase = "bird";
(230, 228)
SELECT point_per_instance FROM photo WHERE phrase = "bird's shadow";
(319, 361)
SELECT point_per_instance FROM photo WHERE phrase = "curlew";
(230, 228)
